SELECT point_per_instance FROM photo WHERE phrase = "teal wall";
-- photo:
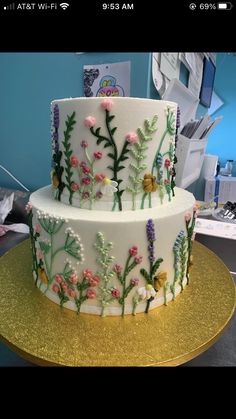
(28, 83)
(222, 140)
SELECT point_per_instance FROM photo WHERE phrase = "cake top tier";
(113, 154)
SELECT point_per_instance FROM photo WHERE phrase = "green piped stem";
(68, 152)
(158, 150)
(33, 248)
(153, 168)
(182, 264)
(110, 142)
(143, 200)
(190, 231)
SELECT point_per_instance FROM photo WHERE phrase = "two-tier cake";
(112, 235)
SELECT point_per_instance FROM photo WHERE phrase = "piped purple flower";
(56, 116)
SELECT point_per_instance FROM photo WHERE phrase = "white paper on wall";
(195, 76)
(157, 76)
(107, 80)
(170, 64)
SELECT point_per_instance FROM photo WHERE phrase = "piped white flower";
(146, 292)
(109, 187)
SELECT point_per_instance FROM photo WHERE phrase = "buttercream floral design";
(89, 180)
(34, 235)
(146, 292)
(140, 145)
(47, 252)
(190, 221)
(151, 276)
(69, 183)
(133, 260)
(69, 287)
(180, 261)
(106, 292)
(109, 141)
(157, 166)
(57, 171)
(109, 187)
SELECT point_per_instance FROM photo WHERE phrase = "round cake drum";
(45, 334)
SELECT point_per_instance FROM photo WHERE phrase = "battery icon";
(224, 6)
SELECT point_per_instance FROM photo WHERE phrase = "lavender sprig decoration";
(154, 263)
(56, 116)
(151, 238)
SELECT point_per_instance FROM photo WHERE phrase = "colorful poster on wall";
(107, 80)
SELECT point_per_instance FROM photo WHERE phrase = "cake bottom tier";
(107, 263)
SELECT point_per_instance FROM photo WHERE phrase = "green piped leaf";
(97, 132)
(45, 247)
(113, 130)
(123, 158)
(106, 145)
(111, 156)
(156, 266)
(146, 275)
(99, 140)
(110, 117)
(120, 168)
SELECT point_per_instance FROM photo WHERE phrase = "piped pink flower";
(55, 288)
(86, 170)
(107, 104)
(97, 155)
(84, 144)
(187, 216)
(74, 186)
(134, 281)
(73, 279)
(133, 251)
(138, 259)
(74, 161)
(91, 293)
(86, 195)
(94, 281)
(131, 137)
(37, 228)
(115, 293)
(99, 195)
(90, 121)
(195, 207)
(64, 286)
(87, 273)
(39, 254)
(99, 177)
(71, 293)
(86, 180)
(167, 163)
(117, 268)
(166, 182)
(58, 278)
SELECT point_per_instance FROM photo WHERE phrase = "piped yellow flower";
(159, 280)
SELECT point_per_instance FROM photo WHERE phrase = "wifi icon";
(64, 6)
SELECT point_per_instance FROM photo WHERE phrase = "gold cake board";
(43, 333)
